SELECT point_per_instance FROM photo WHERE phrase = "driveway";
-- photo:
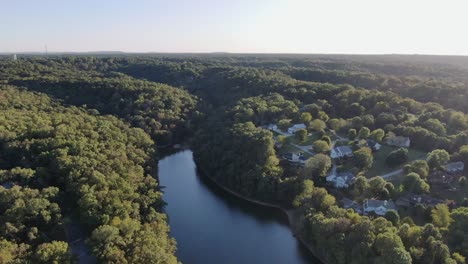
(393, 173)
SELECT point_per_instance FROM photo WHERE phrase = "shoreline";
(292, 220)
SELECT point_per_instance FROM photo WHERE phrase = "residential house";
(295, 158)
(374, 145)
(412, 199)
(341, 152)
(295, 128)
(455, 167)
(379, 207)
(350, 204)
(272, 127)
(399, 141)
(341, 180)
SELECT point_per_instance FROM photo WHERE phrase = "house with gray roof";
(295, 128)
(379, 207)
(454, 167)
(341, 152)
(399, 141)
(350, 204)
(341, 180)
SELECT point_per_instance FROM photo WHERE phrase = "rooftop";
(455, 166)
(378, 203)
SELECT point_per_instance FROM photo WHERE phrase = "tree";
(438, 158)
(55, 252)
(336, 124)
(458, 230)
(435, 126)
(306, 117)
(364, 133)
(378, 135)
(317, 166)
(441, 215)
(327, 139)
(301, 135)
(419, 166)
(377, 186)
(318, 125)
(413, 183)
(360, 186)
(458, 258)
(323, 116)
(284, 124)
(392, 216)
(352, 133)
(397, 256)
(363, 158)
(306, 192)
(463, 152)
(397, 157)
(281, 139)
(321, 146)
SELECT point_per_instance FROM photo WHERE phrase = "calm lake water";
(211, 226)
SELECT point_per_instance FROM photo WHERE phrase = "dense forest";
(80, 138)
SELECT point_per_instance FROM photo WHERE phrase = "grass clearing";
(380, 167)
(309, 140)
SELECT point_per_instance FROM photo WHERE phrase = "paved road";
(396, 172)
(393, 173)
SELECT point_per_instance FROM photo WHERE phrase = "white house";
(455, 167)
(379, 207)
(340, 152)
(373, 144)
(399, 141)
(341, 180)
(295, 158)
(295, 128)
(272, 127)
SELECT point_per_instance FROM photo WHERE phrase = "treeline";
(161, 110)
(56, 161)
(449, 93)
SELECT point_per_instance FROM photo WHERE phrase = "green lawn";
(380, 167)
(288, 148)
(309, 140)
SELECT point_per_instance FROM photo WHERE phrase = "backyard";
(380, 167)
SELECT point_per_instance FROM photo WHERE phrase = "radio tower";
(46, 52)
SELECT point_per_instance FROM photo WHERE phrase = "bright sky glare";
(241, 26)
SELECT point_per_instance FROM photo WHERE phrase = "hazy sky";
(285, 26)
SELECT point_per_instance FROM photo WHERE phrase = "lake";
(212, 226)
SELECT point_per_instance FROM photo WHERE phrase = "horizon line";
(222, 52)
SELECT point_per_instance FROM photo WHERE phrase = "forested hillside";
(325, 137)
